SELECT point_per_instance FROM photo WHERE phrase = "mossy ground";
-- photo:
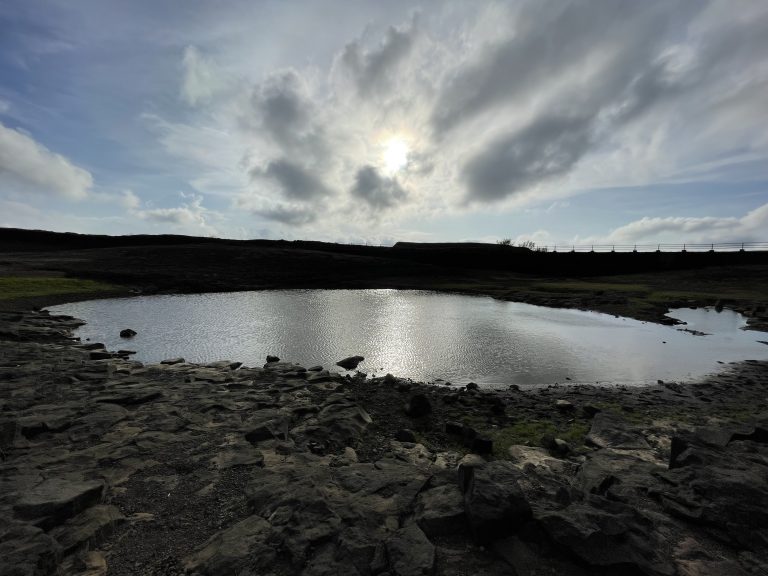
(16, 287)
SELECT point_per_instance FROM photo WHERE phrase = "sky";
(556, 121)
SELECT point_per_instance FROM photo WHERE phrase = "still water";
(420, 335)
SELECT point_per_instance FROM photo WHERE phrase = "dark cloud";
(548, 147)
(295, 181)
(373, 70)
(551, 39)
(377, 191)
(289, 215)
(282, 109)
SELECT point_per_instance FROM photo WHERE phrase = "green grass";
(587, 286)
(530, 432)
(14, 287)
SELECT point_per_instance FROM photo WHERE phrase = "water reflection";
(420, 335)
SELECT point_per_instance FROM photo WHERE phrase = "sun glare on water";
(395, 155)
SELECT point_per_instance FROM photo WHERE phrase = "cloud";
(295, 181)
(287, 214)
(282, 107)
(374, 71)
(200, 82)
(377, 191)
(748, 228)
(190, 216)
(28, 164)
(550, 146)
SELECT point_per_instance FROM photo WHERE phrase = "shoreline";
(163, 468)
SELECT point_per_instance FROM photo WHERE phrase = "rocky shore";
(112, 467)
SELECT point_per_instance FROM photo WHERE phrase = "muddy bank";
(113, 467)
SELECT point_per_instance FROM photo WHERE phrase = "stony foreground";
(112, 467)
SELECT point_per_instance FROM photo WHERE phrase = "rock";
(482, 445)
(556, 446)
(315, 368)
(239, 549)
(589, 410)
(405, 435)
(564, 405)
(350, 363)
(271, 359)
(127, 333)
(100, 355)
(610, 431)
(455, 428)
(418, 405)
(87, 528)
(493, 500)
(259, 434)
(55, 500)
(27, 551)
(440, 511)
(472, 386)
(171, 361)
(410, 553)
(610, 534)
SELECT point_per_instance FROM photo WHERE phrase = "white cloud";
(493, 112)
(27, 165)
(200, 80)
(191, 217)
(751, 227)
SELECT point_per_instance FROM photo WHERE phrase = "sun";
(395, 155)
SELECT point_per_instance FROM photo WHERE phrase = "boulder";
(564, 405)
(610, 535)
(88, 528)
(127, 333)
(241, 548)
(55, 500)
(440, 511)
(410, 553)
(405, 435)
(493, 500)
(171, 361)
(27, 551)
(350, 363)
(271, 359)
(418, 405)
(610, 431)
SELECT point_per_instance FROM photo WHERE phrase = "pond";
(421, 335)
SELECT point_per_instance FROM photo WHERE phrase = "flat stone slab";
(58, 499)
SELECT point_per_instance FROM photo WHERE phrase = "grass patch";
(585, 286)
(529, 433)
(14, 287)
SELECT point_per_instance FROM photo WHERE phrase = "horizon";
(580, 122)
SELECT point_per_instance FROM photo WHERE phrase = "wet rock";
(242, 547)
(127, 333)
(100, 355)
(271, 359)
(494, 502)
(55, 500)
(418, 405)
(472, 386)
(410, 553)
(350, 363)
(172, 361)
(440, 511)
